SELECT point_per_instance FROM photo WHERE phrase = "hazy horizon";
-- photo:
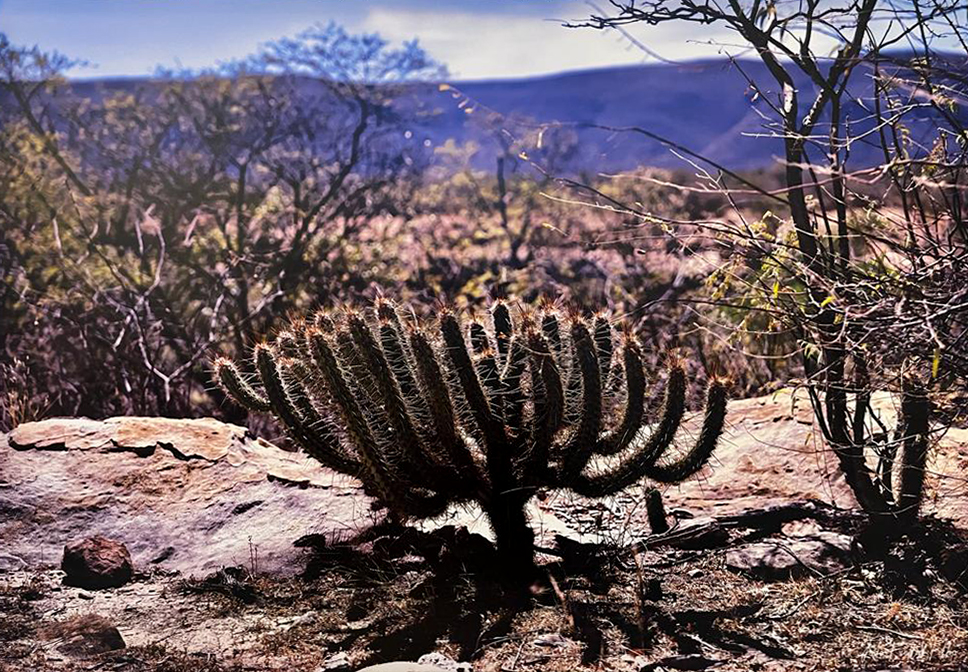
(475, 40)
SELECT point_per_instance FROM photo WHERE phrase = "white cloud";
(479, 45)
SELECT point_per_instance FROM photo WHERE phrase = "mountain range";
(708, 107)
(598, 120)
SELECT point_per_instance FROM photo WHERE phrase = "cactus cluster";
(482, 410)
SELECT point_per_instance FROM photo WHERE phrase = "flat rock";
(195, 495)
(185, 495)
(790, 557)
(770, 454)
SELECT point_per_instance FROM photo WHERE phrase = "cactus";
(655, 510)
(488, 412)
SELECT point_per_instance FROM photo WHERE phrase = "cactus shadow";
(460, 585)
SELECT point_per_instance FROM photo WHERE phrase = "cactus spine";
(489, 411)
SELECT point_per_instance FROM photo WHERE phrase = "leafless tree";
(193, 210)
(865, 286)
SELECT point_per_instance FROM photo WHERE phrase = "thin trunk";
(513, 536)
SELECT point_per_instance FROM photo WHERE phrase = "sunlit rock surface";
(195, 495)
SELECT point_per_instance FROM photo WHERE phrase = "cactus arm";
(480, 342)
(318, 434)
(428, 371)
(367, 394)
(387, 311)
(376, 470)
(490, 376)
(496, 450)
(403, 497)
(712, 429)
(604, 347)
(487, 367)
(399, 355)
(548, 401)
(622, 437)
(512, 379)
(470, 385)
(442, 410)
(569, 362)
(324, 322)
(396, 355)
(297, 376)
(634, 467)
(231, 381)
(551, 329)
(503, 329)
(288, 345)
(421, 467)
(581, 444)
(287, 405)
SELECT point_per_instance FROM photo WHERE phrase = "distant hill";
(707, 106)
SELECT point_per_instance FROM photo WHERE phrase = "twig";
(888, 631)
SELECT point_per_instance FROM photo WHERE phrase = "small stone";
(551, 639)
(694, 573)
(96, 562)
(784, 558)
(335, 663)
(444, 663)
(84, 635)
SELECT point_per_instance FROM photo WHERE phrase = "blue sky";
(475, 38)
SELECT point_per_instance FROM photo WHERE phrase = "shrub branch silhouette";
(902, 453)
(484, 413)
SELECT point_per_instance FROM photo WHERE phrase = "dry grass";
(385, 603)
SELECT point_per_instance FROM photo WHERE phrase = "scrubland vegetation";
(406, 308)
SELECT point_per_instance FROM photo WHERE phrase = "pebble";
(551, 639)
(444, 663)
(335, 663)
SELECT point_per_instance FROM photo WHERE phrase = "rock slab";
(184, 495)
(791, 557)
(402, 666)
(196, 495)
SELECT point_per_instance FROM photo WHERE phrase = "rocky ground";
(235, 555)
